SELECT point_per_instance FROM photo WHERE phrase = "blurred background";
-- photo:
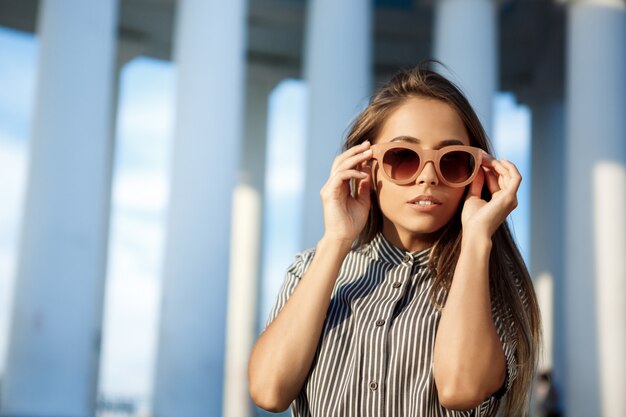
(161, 160)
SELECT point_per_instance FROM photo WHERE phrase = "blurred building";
(566, 60)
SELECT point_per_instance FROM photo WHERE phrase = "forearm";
(469, 361)
(282, 356)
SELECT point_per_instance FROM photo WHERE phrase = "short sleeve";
(505, 327)
(292, 278)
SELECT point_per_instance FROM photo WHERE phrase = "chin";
(423, 228)
(429, 232)
(429, 225)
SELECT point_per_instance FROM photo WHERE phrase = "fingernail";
(366, 142)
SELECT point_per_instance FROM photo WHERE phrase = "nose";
(428, 174)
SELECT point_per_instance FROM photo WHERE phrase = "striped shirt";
(375, 354)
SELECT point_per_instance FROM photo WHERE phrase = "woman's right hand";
(345, 215)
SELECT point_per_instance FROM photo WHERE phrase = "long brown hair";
(510, 284)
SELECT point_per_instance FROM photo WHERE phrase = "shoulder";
(302, 260)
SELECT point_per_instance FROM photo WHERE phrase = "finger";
(510, 166)
(477, 185)
(509, 180)
(338, 185)
(350, 152)
(504, 166)
(487, 160)
(353, 161)
(509, 176)
(346, 175)
(492, 181)
(491, 176)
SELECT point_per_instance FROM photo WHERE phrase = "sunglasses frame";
(427, 155)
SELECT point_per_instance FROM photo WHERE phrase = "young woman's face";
(408, 223)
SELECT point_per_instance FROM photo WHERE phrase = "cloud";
(130, 334)
(139, 201)
(132, 300)
(288, 181)
(145, 114)
(140, 190)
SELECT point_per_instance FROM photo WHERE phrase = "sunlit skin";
(432, 124)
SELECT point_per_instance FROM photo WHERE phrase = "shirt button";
(380, 323)
(397, 285)
(406, 258)
(373, 385)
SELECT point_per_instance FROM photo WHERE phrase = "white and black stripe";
(375, 353)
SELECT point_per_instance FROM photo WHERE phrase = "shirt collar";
(381, 249)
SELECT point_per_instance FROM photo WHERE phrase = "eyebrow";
(442, 144)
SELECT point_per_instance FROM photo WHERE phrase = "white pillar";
(245, 258)
(54, 347)
(547, 229)
(465, 41)
(596, 208)
(338, 71)
(210, 56)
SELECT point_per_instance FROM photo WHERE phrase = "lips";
(425, 201)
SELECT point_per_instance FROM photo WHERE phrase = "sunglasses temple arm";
(486, 159)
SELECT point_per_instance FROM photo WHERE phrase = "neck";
(410, 242)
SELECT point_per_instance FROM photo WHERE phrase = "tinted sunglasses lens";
(400, 163)
(457, 166)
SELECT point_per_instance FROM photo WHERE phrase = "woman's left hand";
(503, 180)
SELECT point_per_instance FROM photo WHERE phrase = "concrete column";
(210, 52)
(245, 258)
(465, 41)
(547, 229)
(595, 245)
(54, 347)
(338, 71)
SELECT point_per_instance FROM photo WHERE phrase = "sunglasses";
(402, 162)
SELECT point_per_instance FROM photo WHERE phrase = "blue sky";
(140, 193)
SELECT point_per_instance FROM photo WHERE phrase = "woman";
(416, 300)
